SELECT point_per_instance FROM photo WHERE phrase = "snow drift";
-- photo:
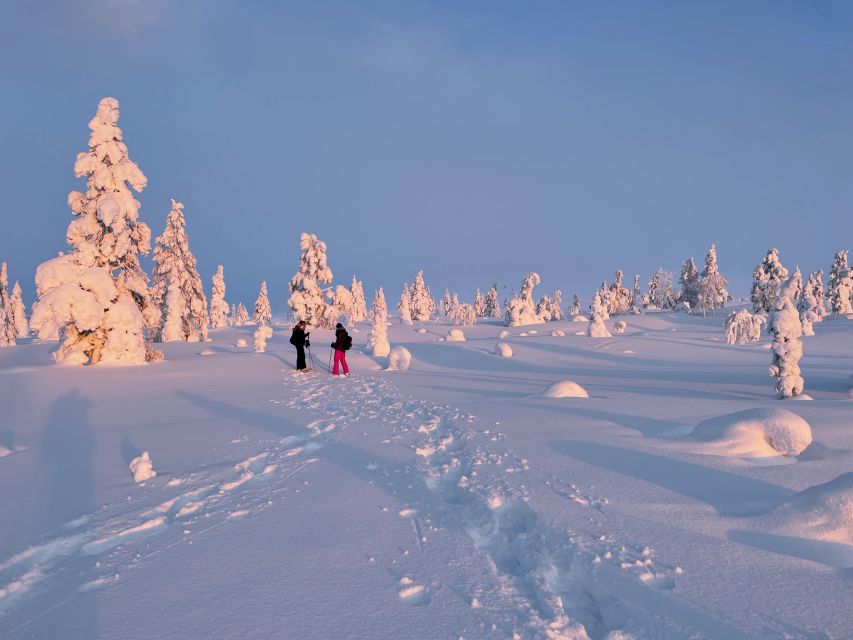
(565, 389)
(757, 433)
(823, 512)
(399, 358)
(503, 350)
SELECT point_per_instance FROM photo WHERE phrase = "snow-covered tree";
(98, 293)
(711, 290)
(811, 304)
(689, 280)
(377, 339)
(660, 290)
(521, 308)
(218, 304)
(174, 312)
(463, 314)
(596, 327)
(479, 304)
(575, 309)
(604, 300)
(767, 279)
(421, 304)
(343, 302)
(262, 334)
(175, 266)
(637, 296)
(492, 308)
(550, 308)
(446, 303)
(743, 327)
(242, 315)
(18, 316)
(840, 285)
(404, 307)
(263, 313)
(306, 297)
(232, 317)
(359, 305)
(8, 326)
(785, 327)
(619, 298)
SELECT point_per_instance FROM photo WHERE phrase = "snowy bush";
(565, 389)
(597, 328)
(262, 334)
(785, 327)
(743, 327)
(241, 343)
(263, 314)
(377, 339)
(97, 296)
(503, 350)
(218, 304)
(399, 358)
(455, 335)
(768, 277)
(306, 297)
(503, 334)
(755, 433)
(142, 468)
(619, 326)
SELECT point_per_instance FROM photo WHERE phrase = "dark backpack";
(293, 338)
(347, 342)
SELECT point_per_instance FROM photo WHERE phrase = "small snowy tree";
(575, 309)
(743, 327)
(492, 308)
(18, 317)
(637, 296)
(596, 327)
(404, 306)
(840, 285)
(810, 305)
(521, 308)
(689, 280)
(263, 313)
(463, 314)
(479, 304)
(98, 293)
(306, 297)
(557, 306)
(7, 327)
(377, 339)
(767, 279)
(711, 290)
(4, 338)
(218, 304)
(660, 290)
(262, 334)
(175, 266)
(446, 304)
(174, 312)
(619, 298)
(359, 305)
(421, 304)
(232, 318)
(242, 315)
(343, 301)
(785, 327)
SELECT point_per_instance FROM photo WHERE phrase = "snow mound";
(533, 332)
(503, 350)
(400, 359)
(503, 334)
(823, 512)
(580, 318)
(565, 389)
(580, 333)
(455, 335)
(241, 342)
(758, 433)
(5, 451)
(619, 326)
(142, 468)
(557, 333)
(421, 330)
(206, 352)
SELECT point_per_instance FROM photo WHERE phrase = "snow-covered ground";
(453, 499)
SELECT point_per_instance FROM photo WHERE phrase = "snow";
(399, 358)
(262, 334)
(619, 326)
(822, 512)
(755, 433)
(503, 350)
(455, 335)
(142, 468)
(565, 389)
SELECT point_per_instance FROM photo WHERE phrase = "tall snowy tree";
(660, 290)
(377, 339)
(479, 304)
(767, 279)
(175, 266)
(712, 291)
(98, 293)
(785, 327)
(404, 306)
(422, 305)
(492, 308)
(689, 280)
(359, 308)
(218, 305)
(306, 297)
(18, 316)
(7, 327)
(840, 285)
(263, 314)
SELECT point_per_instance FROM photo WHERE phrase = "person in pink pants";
(342, 344)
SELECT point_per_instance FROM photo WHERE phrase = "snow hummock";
(565, 389)
(503, 350)
(241, 342)
(757, 433)
(142, 468)
(455, 335)
(619, 326)
(557, 333)
(399, 358)
(823, 512)
(503, 334)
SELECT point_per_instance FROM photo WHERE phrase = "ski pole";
(331, 351)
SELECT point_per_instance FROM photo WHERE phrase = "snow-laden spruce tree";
(619, 300)
(811, 306)
(767, 279)
(175, 266)
(689, 280)
(343, 302)
(521, 308)
(263, 313)
(97, 295)
(712, 290)
(840, 285)
(4, 339)
(7, 327)
(575, 309)
(596, 327)
(377, 339)
(242, 315)
(404, 308)
(479, 304)
(306, 296)
(422, 305)
(218, 304)
(661, 294)
(785, 327)
(492, 308)
(232, 317)
(446, 304)
(359, 305)
(637, 296)
(18, 317)
(815, 289)
(543, 308)
(463, 314)
(743, 327)
(173, 317)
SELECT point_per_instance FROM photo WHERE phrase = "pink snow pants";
(340, 358)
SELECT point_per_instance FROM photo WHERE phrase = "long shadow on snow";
(648, 427)
(729, 494)
(833, 554)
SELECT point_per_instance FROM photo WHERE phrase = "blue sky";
(476, 140)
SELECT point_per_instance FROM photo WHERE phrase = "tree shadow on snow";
(833, 554)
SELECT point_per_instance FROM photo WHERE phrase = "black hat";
(339, 326)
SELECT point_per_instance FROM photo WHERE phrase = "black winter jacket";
(297, 339)
(340, 339)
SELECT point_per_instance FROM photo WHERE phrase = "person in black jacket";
(299, 339)
(341, 344)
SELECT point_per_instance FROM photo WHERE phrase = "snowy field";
(452, 500)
